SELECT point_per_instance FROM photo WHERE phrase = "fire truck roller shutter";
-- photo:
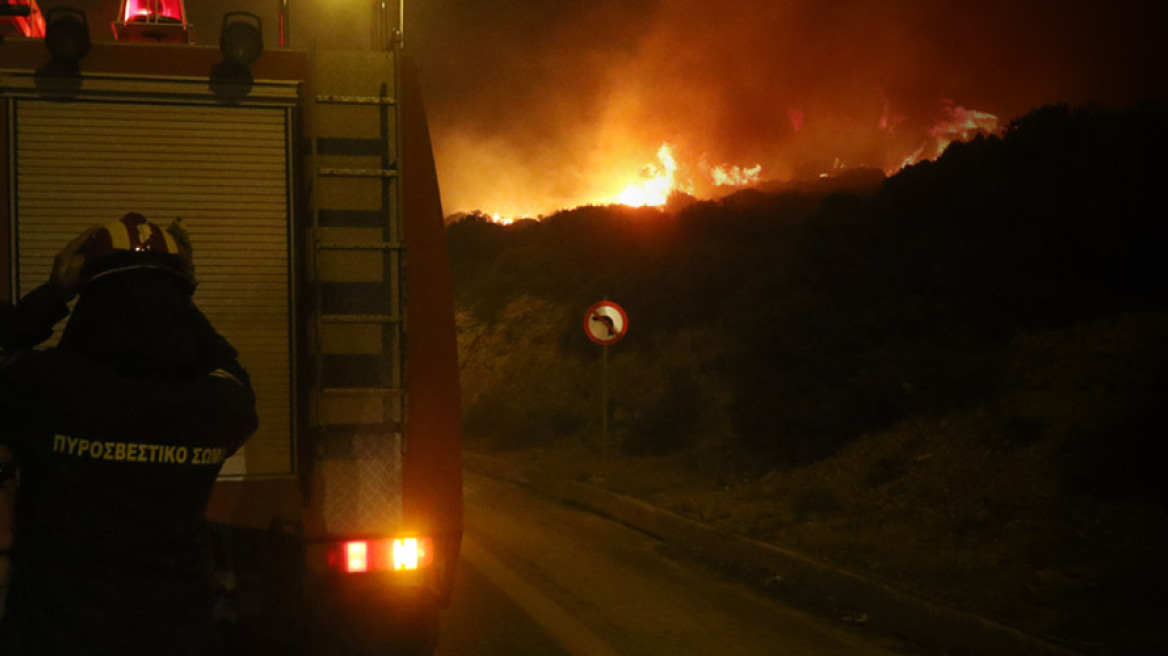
(225, 171)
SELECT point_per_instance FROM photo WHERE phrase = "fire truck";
(295, 149)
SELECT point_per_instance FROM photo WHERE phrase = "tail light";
(408, 553)
(356, 556)
(382, 555)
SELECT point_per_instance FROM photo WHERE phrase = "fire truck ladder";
(358, 266)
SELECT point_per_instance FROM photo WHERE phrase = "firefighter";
(120, 432)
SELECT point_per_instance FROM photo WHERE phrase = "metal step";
(359, 318)
(357, 173)
(359, 245)
(362, 391)
(355, 100)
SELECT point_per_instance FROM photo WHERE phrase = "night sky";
(536, 105)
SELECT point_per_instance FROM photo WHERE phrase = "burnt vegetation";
(783, 325)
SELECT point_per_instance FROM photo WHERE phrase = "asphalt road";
(541, 577)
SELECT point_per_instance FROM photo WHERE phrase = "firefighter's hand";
(183, 239)
(67, 265)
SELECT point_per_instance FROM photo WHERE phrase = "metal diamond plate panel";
(362, 485)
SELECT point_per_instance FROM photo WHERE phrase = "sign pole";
(604, 401)
(605, 323)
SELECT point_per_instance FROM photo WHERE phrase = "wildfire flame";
(658, 182)
(958, 124)
(674, 171)
(661, 179)
(735, 176)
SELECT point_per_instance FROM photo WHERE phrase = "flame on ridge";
(958, 124)
(657, 184)
(671, 172)
(659, 181)
(735, 176)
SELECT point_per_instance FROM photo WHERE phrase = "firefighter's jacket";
(116, 472)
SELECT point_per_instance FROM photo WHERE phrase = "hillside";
(951, 384)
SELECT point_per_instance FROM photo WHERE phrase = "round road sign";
(605, 323)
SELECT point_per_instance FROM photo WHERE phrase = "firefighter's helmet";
(131, 243)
